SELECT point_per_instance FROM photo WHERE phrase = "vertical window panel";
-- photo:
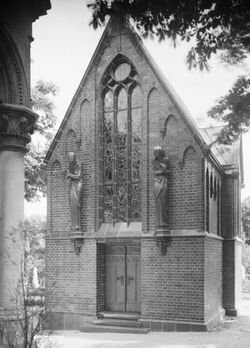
(108, 101)
(136, 98)
(136, 115)
(136, 164)
(108, 128)
(122, 99)
(122, 201)
(108, 168)
(108, 204)
(122, 164)
(136, 202)
(122, 128)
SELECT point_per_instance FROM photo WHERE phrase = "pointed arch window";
(122, 138)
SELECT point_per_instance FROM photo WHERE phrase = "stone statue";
(161, 172)
(74, 174)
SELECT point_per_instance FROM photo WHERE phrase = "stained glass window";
(122, 138)
(122, 99)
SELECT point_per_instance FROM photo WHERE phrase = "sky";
(64, 44)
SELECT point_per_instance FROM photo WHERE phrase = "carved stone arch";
(170, 134)
(189, 187)
(56, 167)
(85, 125)
(152, 92)
(71, 141)
(152, 103)
(189, 155)
(211, 185)
(84, 107)
(215, 188)
(12, 72)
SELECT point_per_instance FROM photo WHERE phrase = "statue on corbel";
(74, 174)
(161, 170)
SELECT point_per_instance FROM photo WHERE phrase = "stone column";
(16, 125)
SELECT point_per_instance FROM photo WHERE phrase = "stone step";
(117, 322)
(119, 315)
(88, 327)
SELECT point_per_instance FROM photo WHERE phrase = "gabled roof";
(204, 138)
(227, 155)
(167, 86)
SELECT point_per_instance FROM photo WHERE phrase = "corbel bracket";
(77, 245)
(163, 242)
(77, 240)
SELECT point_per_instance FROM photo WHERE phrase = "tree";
(28, 301)
(234, 110)
(34, 230)
(212, 27)
(35, 179)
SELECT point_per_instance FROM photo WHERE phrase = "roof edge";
(64, 121)
(165, 83)
(169, 88)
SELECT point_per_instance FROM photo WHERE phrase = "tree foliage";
(245, 213)
(41, 100)
(34, 230)
(212, 26)
(233, 109)
(28, 299)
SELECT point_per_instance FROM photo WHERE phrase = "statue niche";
(74, 174)
(161, 169)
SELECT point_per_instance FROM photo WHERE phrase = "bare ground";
(233, 332)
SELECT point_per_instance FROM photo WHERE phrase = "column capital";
(16, 124)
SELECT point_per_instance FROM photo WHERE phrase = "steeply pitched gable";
(119, 26)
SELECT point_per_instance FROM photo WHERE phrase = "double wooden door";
(123, 285)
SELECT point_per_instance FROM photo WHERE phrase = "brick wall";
(101, 277)
(227, 226)
(232, 248)
(173, 285)
(213, 277)
(70, 278)
(232, 281)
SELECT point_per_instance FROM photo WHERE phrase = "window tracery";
(122, 138)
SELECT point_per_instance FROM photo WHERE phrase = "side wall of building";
(213, 279)
(232, 245)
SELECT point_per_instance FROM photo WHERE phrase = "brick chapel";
(143, 207)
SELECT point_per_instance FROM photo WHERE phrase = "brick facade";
(189, 286)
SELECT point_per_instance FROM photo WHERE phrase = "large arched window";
(122, 138)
